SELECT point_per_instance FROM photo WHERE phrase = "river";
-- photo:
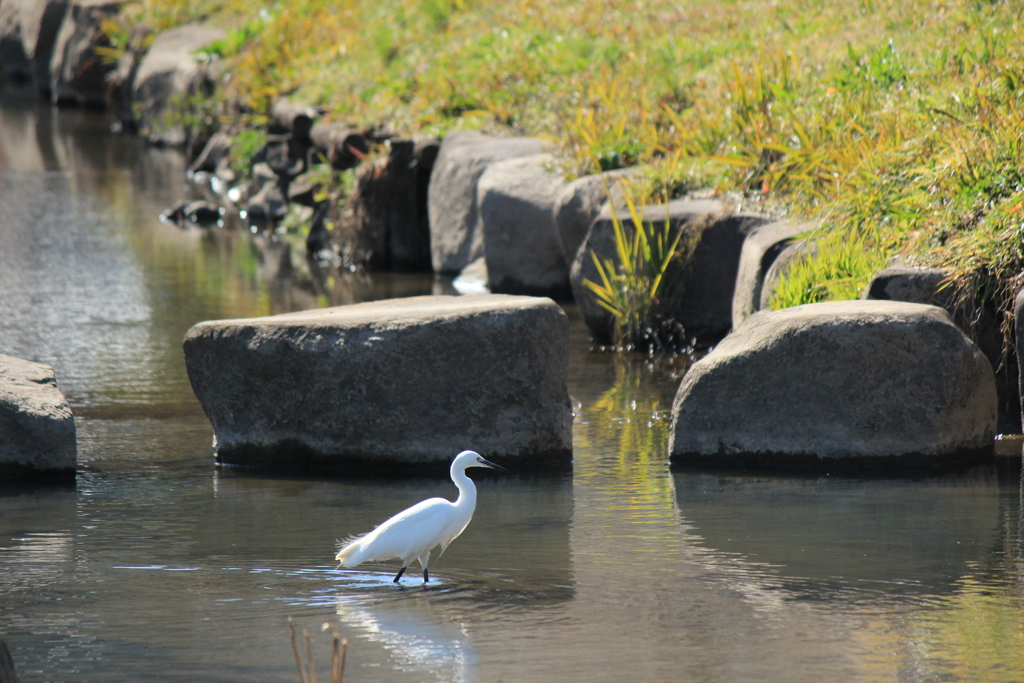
(158, 566)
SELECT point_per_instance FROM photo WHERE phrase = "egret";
(414, 532)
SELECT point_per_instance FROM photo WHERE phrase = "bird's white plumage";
(414, 532)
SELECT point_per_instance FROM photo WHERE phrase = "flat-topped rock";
(37, 429)
(401, 381)
(857, 385)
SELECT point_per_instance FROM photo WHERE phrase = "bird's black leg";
(426, 577)
(400, 572)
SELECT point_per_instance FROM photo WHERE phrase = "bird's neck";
(467, 490)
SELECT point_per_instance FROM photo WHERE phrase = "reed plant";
(306, 664)
(637, 286)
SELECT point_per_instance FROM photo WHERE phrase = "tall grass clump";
(638, 284)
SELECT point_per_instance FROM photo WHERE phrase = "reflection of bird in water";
(411, 534)
(419, 636)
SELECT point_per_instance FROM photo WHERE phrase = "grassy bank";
(896, 125)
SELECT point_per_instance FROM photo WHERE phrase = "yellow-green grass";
(633, 286)
(897, 125)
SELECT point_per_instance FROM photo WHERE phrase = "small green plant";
(330, 185)
(196, 112)
(635, 288)
(297, 221)
(244, 148)
(852, 261)
(881, 68)
(117, 31)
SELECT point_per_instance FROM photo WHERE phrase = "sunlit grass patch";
(896, 126)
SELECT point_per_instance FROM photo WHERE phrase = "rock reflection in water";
(905, 535)
(36, 539)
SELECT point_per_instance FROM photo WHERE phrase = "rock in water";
(516, 199)
(456, 238)
(78, 74)
(858, 385)
(37, 429)
(28, 30)
(403, 381)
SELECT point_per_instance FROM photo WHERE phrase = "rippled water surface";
(156, 566)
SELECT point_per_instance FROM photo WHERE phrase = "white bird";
(413, 533)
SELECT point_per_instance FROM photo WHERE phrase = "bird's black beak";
(488, 463)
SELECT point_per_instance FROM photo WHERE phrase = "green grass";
(896, 125)
(244, 148)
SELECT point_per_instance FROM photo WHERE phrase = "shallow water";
(157, 566)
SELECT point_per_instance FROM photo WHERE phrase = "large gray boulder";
(400, 382)
(37, 430)
(78, 75)
(28, 31)
(455, 235)
(760, 249)
(857, 385)
(524, 256)
(703, 302)
(170, 70)
(579, 202)
(980, 320)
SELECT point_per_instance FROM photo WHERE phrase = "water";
(157, 566)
